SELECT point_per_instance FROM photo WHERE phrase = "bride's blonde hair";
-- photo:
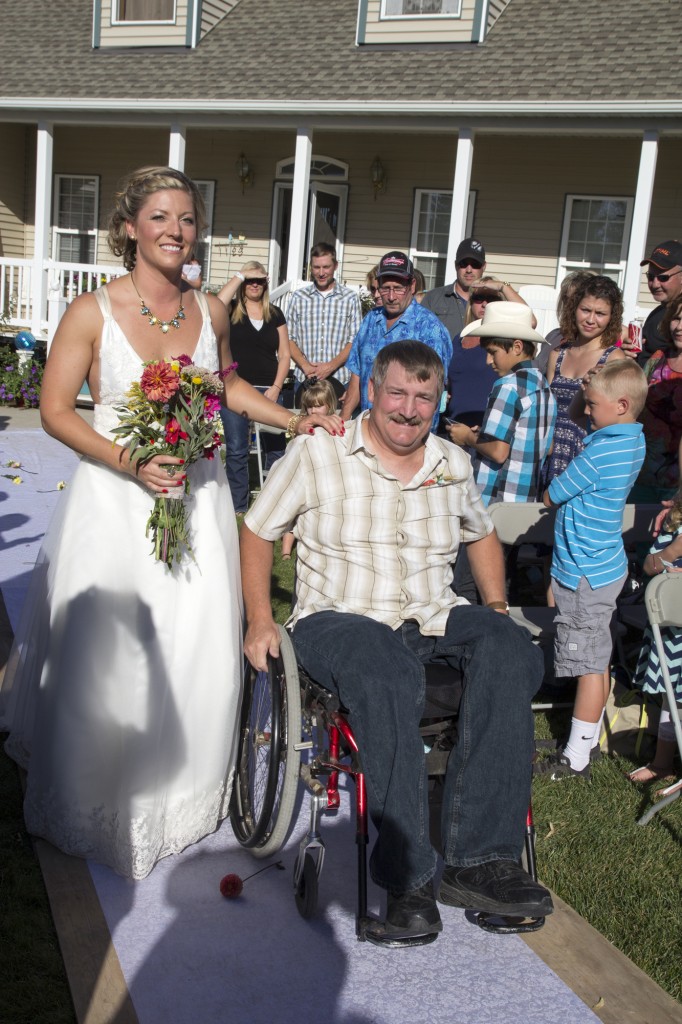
(131, 197)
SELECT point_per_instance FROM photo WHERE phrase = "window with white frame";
(203, 247)
(420, 8)
(145, 10)
(596, 235)
(430, 231)
(74, 236)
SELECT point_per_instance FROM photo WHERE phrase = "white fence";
(20, 292)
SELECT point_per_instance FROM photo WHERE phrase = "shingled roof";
(303, 52)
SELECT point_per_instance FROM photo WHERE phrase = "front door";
(325, 222)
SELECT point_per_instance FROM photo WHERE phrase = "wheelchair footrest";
(500, 925)
(369, 931)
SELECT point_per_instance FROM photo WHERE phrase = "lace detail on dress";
(131, 846)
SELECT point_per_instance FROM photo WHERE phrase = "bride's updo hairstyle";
(135, 192)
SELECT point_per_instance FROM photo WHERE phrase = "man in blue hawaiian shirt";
(399, 318)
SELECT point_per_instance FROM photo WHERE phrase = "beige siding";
(109, 153)
(521, 184)
(495, 9)
(153, 34)
(13, 144)
(212, 11)
(419, 29)
(212, 155)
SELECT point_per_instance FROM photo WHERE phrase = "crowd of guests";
(529, 412)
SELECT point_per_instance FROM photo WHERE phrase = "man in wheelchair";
(379, 514)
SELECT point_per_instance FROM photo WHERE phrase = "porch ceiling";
(541, 59)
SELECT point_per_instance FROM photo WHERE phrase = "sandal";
(649, 773)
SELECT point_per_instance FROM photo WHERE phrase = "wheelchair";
(292, 729)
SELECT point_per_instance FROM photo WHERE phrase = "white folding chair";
(663, 600)
(542, 300)
(257, 448)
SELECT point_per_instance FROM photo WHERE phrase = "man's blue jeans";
(379, 675)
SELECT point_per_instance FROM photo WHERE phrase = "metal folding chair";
(664, 607)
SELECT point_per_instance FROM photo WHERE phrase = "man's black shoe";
(412, 919)
(498, 887)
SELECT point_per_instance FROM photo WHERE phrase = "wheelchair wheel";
(307, 888)
(268, 760)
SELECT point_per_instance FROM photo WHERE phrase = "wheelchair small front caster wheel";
(306, 891)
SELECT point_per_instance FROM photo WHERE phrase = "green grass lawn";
(623, 878)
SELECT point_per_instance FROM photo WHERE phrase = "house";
(553, 131)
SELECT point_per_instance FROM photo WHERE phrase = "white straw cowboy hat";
(506, 320)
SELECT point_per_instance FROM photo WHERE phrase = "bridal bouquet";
(174, 409)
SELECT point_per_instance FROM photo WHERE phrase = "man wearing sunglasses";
(449, 303)
(664, 277)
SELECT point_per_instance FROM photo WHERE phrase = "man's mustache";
(407, 421)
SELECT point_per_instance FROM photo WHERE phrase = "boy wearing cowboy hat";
(518, 425)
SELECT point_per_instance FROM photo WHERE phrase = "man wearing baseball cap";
(449, 303)
(399, 318)
(664, 277)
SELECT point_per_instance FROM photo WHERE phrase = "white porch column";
(177, 146)
(460, 196)
(42, 227)
(640, 221)
(299, 203)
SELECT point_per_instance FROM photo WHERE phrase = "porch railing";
(15, 291)
(65, 281)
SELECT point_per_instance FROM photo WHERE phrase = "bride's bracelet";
(290, 432)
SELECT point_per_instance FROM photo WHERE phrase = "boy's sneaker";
(557, 767)
(596, 753)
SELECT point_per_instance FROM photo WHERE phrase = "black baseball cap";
(395, 264)
(470, 249)
(665, 256)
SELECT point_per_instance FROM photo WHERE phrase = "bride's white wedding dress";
(122, 692)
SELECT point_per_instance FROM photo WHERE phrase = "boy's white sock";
(577, 750)
(597, 735)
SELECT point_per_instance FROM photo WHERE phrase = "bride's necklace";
(156, 321)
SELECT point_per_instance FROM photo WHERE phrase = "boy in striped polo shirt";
(589, 565)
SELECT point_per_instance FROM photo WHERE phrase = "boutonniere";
(440, 480)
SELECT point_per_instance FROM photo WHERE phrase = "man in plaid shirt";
(379, 512)
(323, 318)
(518, 425)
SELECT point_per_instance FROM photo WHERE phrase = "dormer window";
(420, 8)
(429, 22)
(145, 11)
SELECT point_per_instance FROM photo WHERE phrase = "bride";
(122, 691)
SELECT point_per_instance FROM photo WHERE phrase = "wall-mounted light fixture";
(244, 171)
(378, 176)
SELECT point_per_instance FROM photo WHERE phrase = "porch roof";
(612, 59)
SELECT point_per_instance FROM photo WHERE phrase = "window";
(203, 247)
(430, 231)
(595, 235)
(75, 218)
(145, 10)
(420, 8)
